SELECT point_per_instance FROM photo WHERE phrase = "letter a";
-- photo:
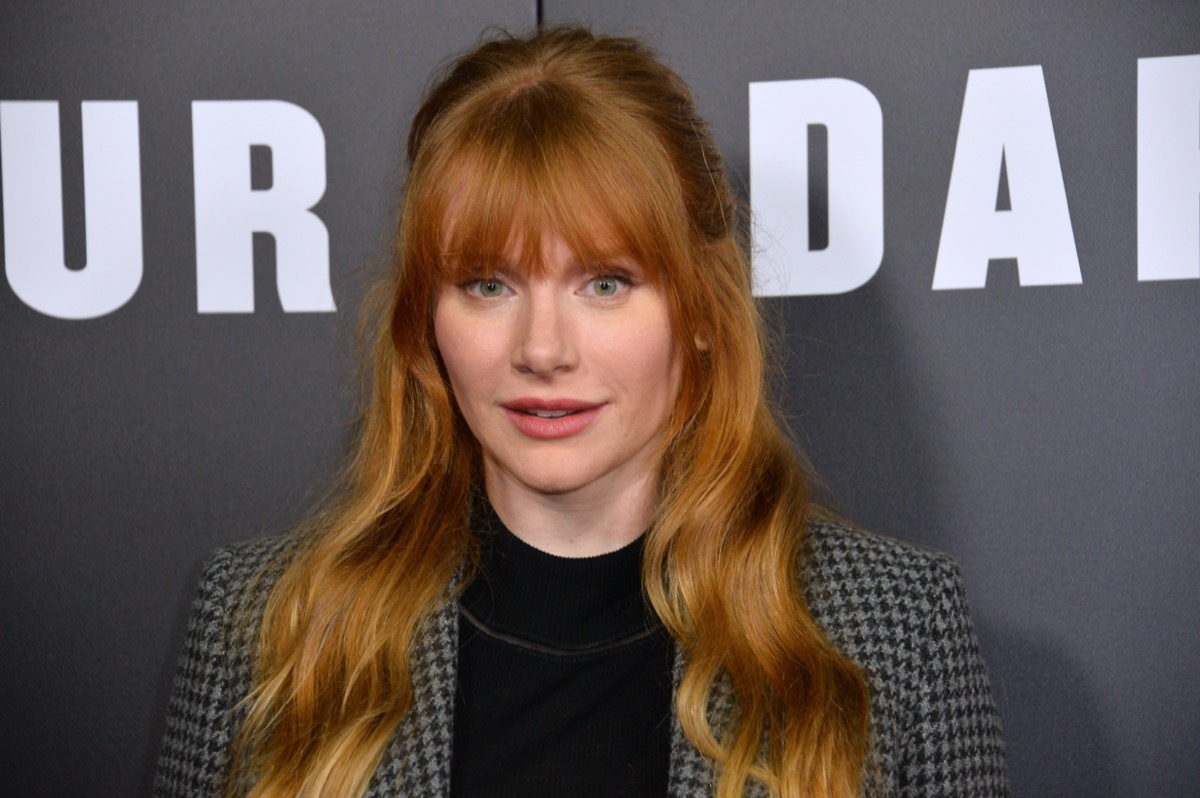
(1006, 119)
(229, 211)
(31, 159)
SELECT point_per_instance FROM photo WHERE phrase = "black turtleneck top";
(564, 676)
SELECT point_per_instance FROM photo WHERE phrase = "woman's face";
(566, 379)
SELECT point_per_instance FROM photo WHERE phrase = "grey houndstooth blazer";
(897, 610)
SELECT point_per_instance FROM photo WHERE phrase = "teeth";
(549, 413)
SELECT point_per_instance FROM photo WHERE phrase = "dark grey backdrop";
(1046, 437)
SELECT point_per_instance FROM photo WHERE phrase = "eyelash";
(621, 279)
(475, 285)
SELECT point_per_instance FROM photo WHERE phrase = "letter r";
(229, 211)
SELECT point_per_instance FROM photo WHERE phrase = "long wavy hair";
(595, 139)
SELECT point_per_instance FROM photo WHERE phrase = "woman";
(574, 552)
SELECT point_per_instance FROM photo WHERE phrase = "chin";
(552, 485)
(554, 476)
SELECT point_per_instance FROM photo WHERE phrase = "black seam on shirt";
(541, 648)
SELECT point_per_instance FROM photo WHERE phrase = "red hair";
(594, 139)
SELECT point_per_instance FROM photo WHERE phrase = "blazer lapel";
(416, 763)
(691, 773)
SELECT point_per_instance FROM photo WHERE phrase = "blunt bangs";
(547, 159)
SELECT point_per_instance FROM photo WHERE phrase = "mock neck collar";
(568, 603)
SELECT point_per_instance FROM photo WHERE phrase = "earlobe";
(701, 344)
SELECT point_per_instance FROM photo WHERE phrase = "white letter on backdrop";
(1169, 168)
(780, 114)
(229, 211)
(1006, 117)
(31, 159)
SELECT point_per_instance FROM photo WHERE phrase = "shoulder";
(235, 583)
(251, 566)
(847, 567)
(900, 612)
(879, 600)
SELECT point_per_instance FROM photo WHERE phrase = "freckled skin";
(603, 341)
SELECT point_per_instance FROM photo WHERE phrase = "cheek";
(650, 361)
(452, 337)
(472, 351)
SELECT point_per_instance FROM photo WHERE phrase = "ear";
(701, 344)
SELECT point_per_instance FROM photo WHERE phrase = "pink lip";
(580, 416)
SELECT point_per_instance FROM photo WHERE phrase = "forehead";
(530, 235)
(496, 189)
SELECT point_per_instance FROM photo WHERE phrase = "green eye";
(606, 286)
(491, 289)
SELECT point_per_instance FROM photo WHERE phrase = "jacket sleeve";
(953, 745)
(199, 730)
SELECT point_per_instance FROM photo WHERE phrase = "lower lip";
(550, 428)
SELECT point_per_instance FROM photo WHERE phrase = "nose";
(545, 342)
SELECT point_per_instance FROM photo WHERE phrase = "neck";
(584, 523)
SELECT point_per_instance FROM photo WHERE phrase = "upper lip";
(528, 403)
